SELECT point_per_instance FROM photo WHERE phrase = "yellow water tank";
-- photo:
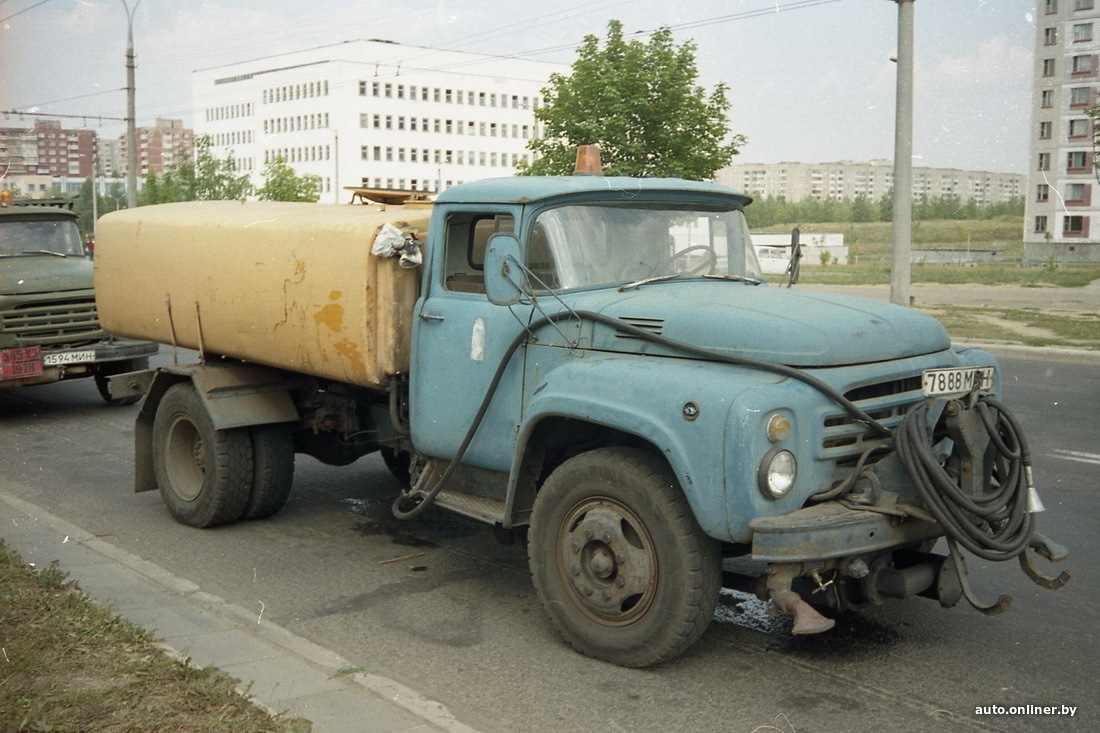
(289, 285)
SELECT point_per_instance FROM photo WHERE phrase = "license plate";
(21, 362)
(68, 357)
(940, 382)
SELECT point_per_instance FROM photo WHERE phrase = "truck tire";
(204, 475)
(121, 367)
(618, 560)
(272, 470)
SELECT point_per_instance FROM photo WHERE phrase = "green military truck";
(49, 329)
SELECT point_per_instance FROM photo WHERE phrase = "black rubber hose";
(424, 499)
(994, 525)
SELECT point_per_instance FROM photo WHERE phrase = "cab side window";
(464, 254)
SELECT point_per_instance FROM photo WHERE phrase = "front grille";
(846, 438)
(69, 322)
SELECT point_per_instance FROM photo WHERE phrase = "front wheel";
(618, 560)
(204, 475)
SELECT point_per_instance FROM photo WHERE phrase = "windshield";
(39, 236)
(615, 244)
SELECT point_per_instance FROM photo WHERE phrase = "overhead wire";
(532, 24)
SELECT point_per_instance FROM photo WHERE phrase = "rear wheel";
(204, 475)
(619, 562)
(272, 470)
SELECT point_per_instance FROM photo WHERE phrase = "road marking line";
(1072, 455)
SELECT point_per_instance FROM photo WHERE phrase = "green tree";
(641, 104)
(281, 183)
(113, 199)
(84, 208)
(864, 210)
(205, 178)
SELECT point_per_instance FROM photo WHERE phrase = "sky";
(809, 80)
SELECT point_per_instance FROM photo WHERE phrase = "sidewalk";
(278, 670)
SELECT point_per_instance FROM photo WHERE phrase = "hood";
(785, 326)
(28, 274)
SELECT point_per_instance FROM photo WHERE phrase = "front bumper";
(833, 530)
(54, 365)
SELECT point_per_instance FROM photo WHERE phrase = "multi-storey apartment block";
(47, 149)
(160, 147)
(1062, 207)
(871, 180)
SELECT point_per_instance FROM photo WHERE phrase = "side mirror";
(505, 281)
(793, 268)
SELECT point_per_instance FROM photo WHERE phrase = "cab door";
(459, 339)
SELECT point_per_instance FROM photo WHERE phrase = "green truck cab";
(48, 325)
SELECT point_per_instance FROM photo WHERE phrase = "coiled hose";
(995, 524)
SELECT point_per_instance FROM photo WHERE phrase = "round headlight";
(777, 473)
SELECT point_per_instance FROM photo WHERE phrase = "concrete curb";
(279, 671)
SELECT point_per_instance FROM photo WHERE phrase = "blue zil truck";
(593, 365)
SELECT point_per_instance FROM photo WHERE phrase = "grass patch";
(1028, 327)
(868, 239)
(1075, 276)
(70, 664)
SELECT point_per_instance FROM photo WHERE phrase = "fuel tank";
(289, 285)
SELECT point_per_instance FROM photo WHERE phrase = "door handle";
(424, 315)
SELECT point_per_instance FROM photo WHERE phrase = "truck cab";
(48, 325)
(647, 408)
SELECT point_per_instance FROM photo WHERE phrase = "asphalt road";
(440, 606)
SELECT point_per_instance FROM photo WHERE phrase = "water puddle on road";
(748, 611)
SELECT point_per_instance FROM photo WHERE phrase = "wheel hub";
(185, 459)
(608, 561)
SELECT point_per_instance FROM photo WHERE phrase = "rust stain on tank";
(352, 352)
(332, 315)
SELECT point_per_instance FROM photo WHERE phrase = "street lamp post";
(131, 115)
(903, 159)
(336, 158)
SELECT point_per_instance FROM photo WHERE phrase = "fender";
(680, 406)
(235, 395)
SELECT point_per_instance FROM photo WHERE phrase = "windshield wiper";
(44, 252)
(636, 283)
(681, 276)
(736, 278)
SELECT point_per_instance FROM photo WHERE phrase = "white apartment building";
(872, 180)
(373, 113)
(1061, 218)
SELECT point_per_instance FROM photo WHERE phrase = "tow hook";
(806, 619)
(1052, 551)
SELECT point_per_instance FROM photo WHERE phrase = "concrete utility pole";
(131, 115)
(903, 159)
